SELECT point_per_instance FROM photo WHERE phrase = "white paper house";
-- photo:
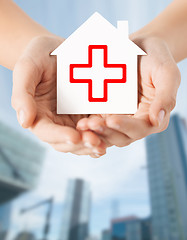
(97, 69)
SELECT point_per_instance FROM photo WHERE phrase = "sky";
(113, 177)
(119, 175)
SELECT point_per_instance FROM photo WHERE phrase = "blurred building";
(25, 236)
(131, 228)
(76, 211)
(20, 163)
(92, 238)
(119, 227)
(167, 167)
(5, 217)
(3, 235)
(146, 228)
(106, 234)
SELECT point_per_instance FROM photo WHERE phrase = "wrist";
(146, 40)
(142, 39)
(41, 38)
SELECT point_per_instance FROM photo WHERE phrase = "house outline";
(73, 98)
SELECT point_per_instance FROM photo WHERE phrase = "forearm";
(171, 26)
(16, 30)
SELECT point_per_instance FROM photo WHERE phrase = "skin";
(34, 100)
(164, 40)
(34, 82)
(159, 79)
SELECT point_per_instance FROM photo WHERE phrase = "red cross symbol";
(98, 73)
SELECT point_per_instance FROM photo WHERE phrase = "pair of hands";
(34, 99)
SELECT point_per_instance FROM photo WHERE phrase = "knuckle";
(172, 103)
(116, 121)
(165, 126)
(171, 70)
(176, 72)
(178, 76)
(168, 103)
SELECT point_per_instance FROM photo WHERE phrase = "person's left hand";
(34, 99)
(159, 79)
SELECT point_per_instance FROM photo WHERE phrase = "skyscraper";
(167, 169)
(20, 163)
(5, 212)
(106, 234)
(25, 236)
(5, 217)
(130, 228)
(76, 211)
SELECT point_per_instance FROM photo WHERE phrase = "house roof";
(98, 20)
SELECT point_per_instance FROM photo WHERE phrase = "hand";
(159, 79)
(34, 99)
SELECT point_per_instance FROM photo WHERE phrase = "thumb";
(166, 86)
(25, 77)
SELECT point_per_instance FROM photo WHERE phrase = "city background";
(137, 192)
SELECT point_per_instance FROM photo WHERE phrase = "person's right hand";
(158, 81)
(34, 99)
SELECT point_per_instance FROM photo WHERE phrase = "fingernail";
(88, 145)
(69, 142)
(97, 155)
(21, 116)
(161, 116)
(95, 151)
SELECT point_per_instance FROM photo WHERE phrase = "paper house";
(97, 69)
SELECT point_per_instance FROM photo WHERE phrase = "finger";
(93, 144)
(90, 139)
(26, 76)
(112, 137)
(53, 133)
(82, 124)
(96, 155)
(96, 151)
(86, 151)
(166, 84)
(79, 149)
(67, 147)
(134, 128)
(98, 127)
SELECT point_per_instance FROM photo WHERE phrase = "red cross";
(107, 67)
